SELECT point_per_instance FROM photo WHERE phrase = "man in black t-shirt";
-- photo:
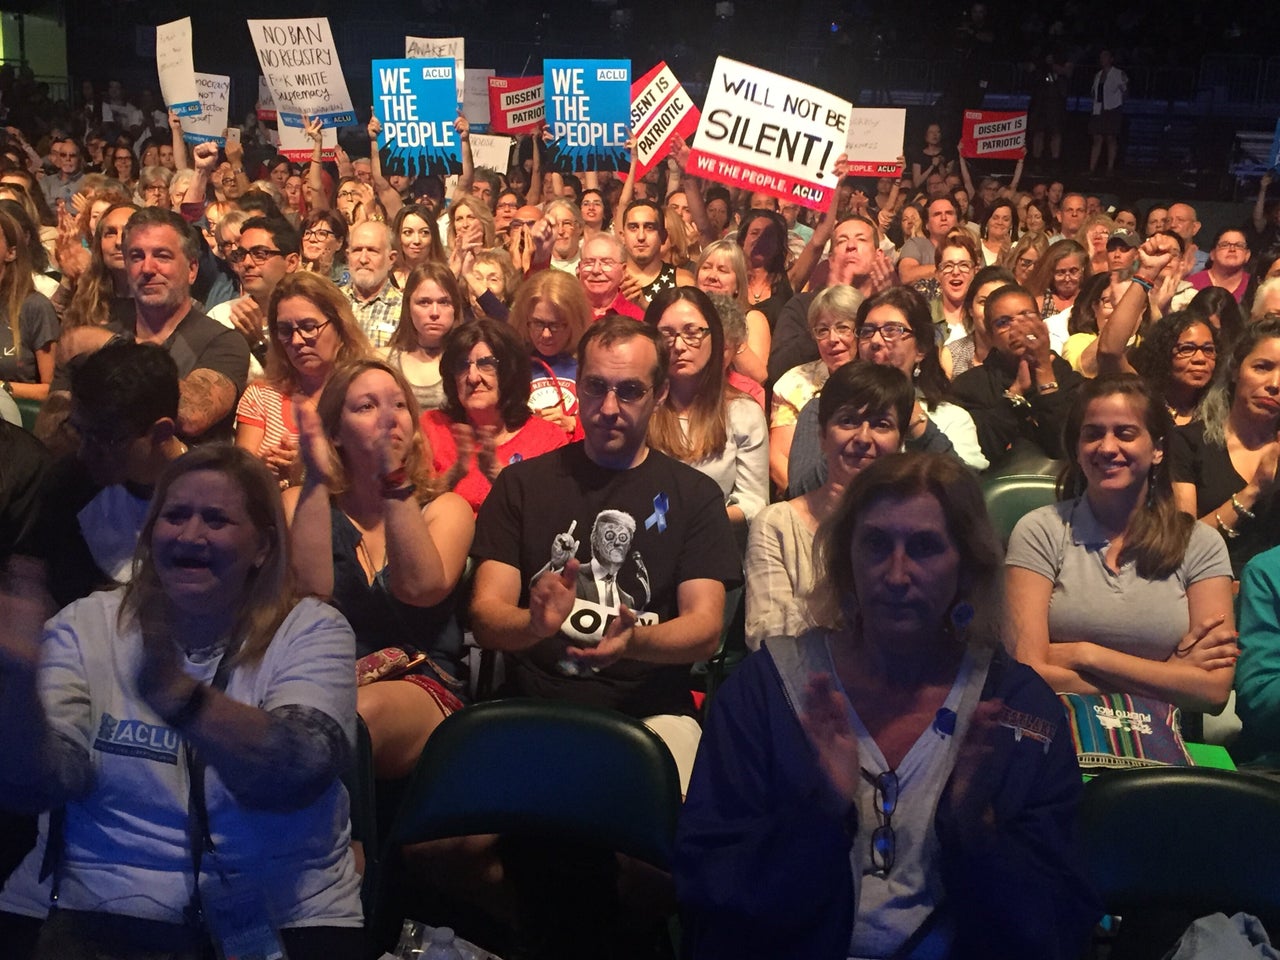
(603, 565)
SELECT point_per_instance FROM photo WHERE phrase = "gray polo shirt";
(1122, 611)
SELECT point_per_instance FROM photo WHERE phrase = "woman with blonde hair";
(470, 229)
(550, 314)
(722, 268)
(1021, 258)
(373, 533)
(310, 331)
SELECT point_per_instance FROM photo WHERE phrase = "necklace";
(366, 558)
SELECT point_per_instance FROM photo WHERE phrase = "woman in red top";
(486, 422)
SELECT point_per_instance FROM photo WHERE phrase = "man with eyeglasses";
(600, 272)
(1021, 393)
(65, 182)
(603, 564)
(375, 300)
(267, 252)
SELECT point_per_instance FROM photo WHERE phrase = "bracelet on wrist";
(1241, 510)
(1226, 531)
(1144, 283)
(190, 708)
(1047, 387)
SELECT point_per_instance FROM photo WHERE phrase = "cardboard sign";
(475, 102)
(174, 64)
(266, 105)
(516, 104)
(588, 113)
(875, 142)
(660, 109)
(487, 150)
(443, 48)
(215, 101)
(994, 135)
(415, 100)
(294, 145)
(301, 65)
(769, 133)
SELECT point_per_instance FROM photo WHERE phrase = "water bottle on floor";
(441, 946)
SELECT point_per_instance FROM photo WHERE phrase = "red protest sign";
(516, 104)
(994, 135)
(660, 109)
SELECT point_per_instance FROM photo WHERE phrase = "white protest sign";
(660, 109)
(769, 133)
(875, 141)
(266, 106)
(475, 102)
(215, 100)
(295, 146)
(301, 65)
(487, 150)
(174, 64)
(441, 48)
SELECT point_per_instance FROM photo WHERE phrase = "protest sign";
(994, 135)
(266, 105)
(660, 109)
(475, 102)
(215, 99)
(442, 48)
(301, 65)
(588, 113)
(487, 150)
(1273, 155)
(771, 134)
(515, 104)
(295, 146)
(875, 140)
(174, 64)
(416, 102)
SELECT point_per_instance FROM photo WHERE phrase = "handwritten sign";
(475, 102)
(875, 141)
(588, 113)
(660, 109)
(215, 99)
(487, 150)
(994, 135)
(300, 62)
(266, 105)
(415, 100)
(294, 145)
(516, 104)
(769, 133)
(177, 73)
(443, 48)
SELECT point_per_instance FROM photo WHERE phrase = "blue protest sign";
(588, 113)
(417, 102)
(1273, 156)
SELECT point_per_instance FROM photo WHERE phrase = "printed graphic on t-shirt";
(613, 576)
(133, 738)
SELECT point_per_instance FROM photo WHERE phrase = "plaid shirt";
(379, 316)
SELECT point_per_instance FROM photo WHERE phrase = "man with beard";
(375, 300)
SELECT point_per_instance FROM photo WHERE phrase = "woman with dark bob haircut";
(860, 787)
(486, 422)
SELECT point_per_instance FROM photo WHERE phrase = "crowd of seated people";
(270, 404)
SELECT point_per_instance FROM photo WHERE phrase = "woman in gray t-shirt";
(1116, 590)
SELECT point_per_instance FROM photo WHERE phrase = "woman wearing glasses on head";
(705, 422)
(861, 790)
(310, 330)
(486, 422)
